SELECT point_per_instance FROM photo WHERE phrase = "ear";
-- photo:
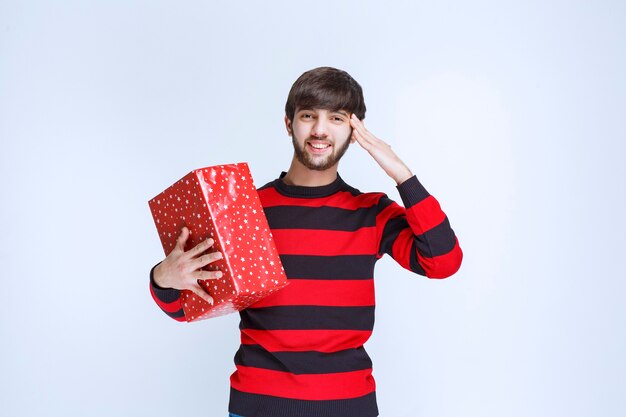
(288, 125)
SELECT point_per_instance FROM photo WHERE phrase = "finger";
(358, 124)
(355, 123)
(202, 293)
(362, 134)
(182, 238)
(366, 135)
(359, 138)
(201, 247)
(202, 275)
(206, 259)
(368, 140)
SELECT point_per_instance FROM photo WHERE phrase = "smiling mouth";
(318, 146)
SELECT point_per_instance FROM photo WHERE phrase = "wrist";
(402, 176)
(157, 276)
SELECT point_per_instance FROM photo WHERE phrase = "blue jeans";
(233, 415)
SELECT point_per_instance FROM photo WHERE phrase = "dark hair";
(326, 88)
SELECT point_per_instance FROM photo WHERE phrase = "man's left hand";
(380, 151)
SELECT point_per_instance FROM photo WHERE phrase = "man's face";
(320, 137)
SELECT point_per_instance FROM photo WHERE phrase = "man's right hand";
(182, 270)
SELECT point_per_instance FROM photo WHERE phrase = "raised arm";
(418, 236)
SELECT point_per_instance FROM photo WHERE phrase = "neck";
(300, 175)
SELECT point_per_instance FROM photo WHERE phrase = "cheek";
(301, 131)
(345, 133)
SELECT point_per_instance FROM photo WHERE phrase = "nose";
(320, 129)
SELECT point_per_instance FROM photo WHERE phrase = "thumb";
(182, 238)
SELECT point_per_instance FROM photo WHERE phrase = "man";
(301, 350)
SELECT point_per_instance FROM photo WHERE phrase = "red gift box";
(221, 202)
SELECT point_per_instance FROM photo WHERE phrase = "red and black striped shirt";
(301, 350)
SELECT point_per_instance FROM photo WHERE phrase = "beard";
(318, 163)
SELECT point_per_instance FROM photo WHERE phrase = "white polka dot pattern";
(221, 202)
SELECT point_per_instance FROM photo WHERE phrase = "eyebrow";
(340, 111)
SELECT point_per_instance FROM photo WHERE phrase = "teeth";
(319, 145)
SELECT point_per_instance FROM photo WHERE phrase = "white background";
(511, 114)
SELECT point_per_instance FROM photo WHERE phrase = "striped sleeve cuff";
(412, 192)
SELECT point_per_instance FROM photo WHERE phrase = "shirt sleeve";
(418, 236)
(168, 299)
